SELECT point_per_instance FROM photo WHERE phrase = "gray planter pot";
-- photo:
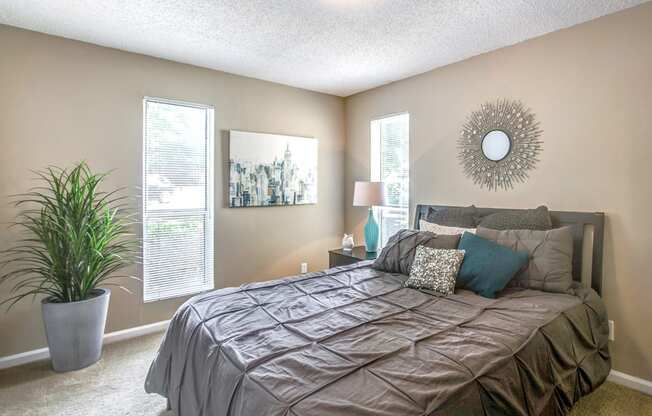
(74, 330)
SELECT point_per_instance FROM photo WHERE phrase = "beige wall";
(591, 88)
(62, 101)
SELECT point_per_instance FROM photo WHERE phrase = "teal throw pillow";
(487, 266)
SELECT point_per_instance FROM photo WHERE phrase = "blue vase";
(371, 233)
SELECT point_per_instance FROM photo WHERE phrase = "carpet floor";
(114, 386)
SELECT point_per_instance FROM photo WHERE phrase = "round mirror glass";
(496, 145)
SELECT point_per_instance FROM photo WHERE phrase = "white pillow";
(443, 229)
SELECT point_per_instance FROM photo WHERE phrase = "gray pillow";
(550, 267)
(435, 269)
(398, 254)
(456, 217)
(525, 219)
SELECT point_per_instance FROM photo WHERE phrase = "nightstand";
(340, 257)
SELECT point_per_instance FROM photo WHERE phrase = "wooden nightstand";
(340, 257)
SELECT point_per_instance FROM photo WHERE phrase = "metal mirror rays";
(484, 153)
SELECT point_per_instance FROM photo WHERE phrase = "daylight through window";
(390, 163)
(177, 199)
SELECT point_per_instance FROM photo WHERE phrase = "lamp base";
(371, 233)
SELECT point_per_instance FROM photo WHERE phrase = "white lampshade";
(366, 194)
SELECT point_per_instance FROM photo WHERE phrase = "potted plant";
(75, 238)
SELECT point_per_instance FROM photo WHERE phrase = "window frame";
(209, 210)
(375, 167)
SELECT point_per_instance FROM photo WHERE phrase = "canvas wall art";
(271, 169)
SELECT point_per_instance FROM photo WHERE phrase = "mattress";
(354, 341)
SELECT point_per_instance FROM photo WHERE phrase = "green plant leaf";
(76, 237)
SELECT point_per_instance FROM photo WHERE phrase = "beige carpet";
(114, 386)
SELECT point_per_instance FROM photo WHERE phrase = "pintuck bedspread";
(354, 341)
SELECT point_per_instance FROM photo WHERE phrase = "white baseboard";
(644, 386)
(24, 358)
(111, 337)
(135, 332)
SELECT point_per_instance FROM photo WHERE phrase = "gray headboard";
(579, 223)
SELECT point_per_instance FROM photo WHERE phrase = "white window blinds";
(177, 199)
(390, 163)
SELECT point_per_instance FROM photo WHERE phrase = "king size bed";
(353, 340)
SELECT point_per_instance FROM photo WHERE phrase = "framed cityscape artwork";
(271, 169)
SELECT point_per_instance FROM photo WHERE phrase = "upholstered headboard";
(588, 237)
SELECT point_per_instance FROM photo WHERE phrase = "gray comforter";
(353, 341)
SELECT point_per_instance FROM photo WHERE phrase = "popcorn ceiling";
(334, 46)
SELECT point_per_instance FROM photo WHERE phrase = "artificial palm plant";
(76, 237)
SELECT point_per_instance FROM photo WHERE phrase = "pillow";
(551, 256)
(487, 266)
(443, 229)
(435, 269)
(456, 217)
(398, 253)
(527, 219)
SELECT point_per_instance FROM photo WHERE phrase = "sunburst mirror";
(499, 144)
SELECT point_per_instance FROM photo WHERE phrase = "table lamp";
(369, 194)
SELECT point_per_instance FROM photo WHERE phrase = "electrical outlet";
(304, 267)
(612, 331)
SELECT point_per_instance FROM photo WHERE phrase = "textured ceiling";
(334, 46)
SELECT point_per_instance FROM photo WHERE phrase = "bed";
(353, 340)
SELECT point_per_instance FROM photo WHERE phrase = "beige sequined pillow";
(443, 229)
(435, 269)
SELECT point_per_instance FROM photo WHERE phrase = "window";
(177, 199)
(390, 163)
